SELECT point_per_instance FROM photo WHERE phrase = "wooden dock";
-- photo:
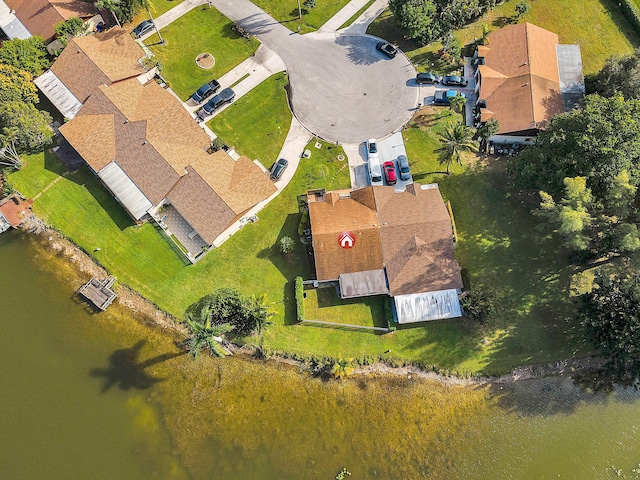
(99, 292)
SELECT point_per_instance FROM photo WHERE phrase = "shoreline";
(150, 314)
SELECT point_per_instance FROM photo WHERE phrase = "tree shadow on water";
(126, 371)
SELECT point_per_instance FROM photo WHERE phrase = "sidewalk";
(348, 11)
(360, 25)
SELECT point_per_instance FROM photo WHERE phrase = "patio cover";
(422, 307)
(126, 192)
(56, 91)
(12, 27)
(363, 284)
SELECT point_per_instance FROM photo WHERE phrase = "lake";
(103, 396)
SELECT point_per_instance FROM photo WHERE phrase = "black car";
(386, 48)
(278, 169)
(225, 96)
(144, 28)
(205, 91)
(428, 78)
(454, 80)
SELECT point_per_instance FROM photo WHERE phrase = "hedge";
(388, 313)
(632, 13)
(299, 299)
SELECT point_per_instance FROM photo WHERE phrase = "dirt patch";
(205, 60)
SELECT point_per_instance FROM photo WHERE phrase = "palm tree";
(112, 6)
(261, 311)
(486, 131)
(146, 4)
(456, 140)
(342, 368)
(456, 103)
(204, 334)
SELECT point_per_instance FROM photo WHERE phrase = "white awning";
(422, 307)
(125, 191)
(56, 91)
(11, 26)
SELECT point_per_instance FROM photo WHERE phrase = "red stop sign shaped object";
(346, 240)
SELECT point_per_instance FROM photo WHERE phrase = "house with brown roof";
(26, 18)
(13, 212)
(523, 78)
(377, 240)
(147, 149)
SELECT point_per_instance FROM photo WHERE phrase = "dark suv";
(428, 78)
(278, 169)
(225, 96)
(144, 28)
(205, 91)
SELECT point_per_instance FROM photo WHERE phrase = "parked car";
(372, 148)
(278, 169)
(454, 80)
(144, 28)
(428, 78)
(375, 173)
(225, 96)
(386, 48)
(403, 168)
(390, 173)
(205, 91)
(441, 97)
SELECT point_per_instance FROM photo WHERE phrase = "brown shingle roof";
(200, 205)
(100, 59)
(40, 16)
(408, 232)
(519, 79)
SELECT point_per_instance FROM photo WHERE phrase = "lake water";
(101, 396)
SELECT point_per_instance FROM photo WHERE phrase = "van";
(375, 172)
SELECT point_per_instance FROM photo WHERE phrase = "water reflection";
(128, 372)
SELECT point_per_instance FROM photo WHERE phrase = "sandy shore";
(148, 313)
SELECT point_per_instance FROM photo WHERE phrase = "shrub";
(388, 313)
(287, 245)
(299, 299)
(479, 304)
(632, 12)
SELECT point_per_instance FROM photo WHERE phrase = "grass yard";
(247, 127)
(324, 304)
(39, 170)
(286, 12)
(358, 13)
(598, 26)
(202, 30)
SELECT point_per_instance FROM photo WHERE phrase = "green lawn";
(39, 170)
(158, 7)
(325, 304)
(202, 30)
(257, 124)
(357, 14)
(598, 26)
(286, 12)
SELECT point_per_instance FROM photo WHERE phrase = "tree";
(287, 245)
(9, 157)
(485, 131)
(29, 55)
(610, 314)
(522, 9)
(112, 6)
(479, 304)
(72, 27)
(456, 140)
(204, 334)
(456, 103)
(247, 315)
(25, 126)
(413, 17)
(597, 142)
(16, 85)
(619, 75)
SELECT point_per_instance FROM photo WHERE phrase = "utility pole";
(299, 11)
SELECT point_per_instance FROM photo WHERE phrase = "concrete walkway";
(345, 13)
(172, 15)
(360, 25)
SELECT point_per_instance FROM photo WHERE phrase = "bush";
(287, 245)
(632, 12)
(304, 222)
(479, 304)
(299, 299)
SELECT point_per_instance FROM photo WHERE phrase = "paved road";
(343, 89)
